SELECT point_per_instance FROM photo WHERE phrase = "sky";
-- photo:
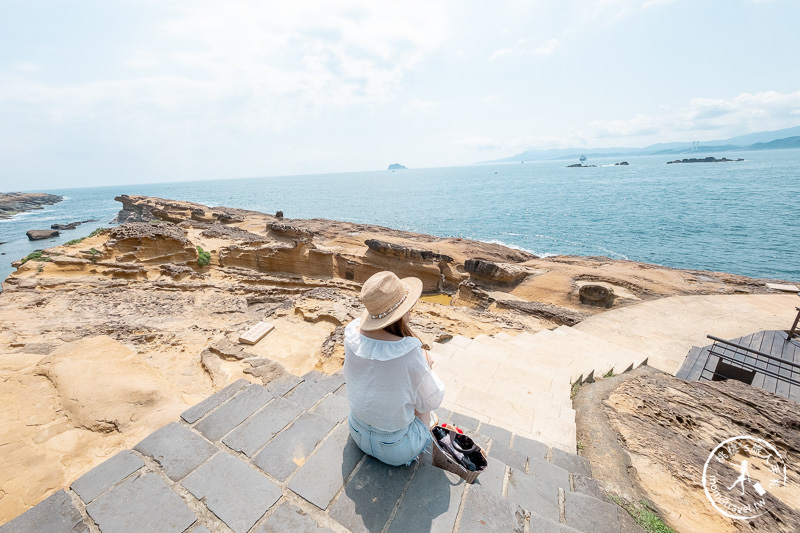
(107, 92)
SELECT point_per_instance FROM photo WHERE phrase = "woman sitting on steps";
(391, 387)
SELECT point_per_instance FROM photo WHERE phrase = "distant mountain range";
(765, 140)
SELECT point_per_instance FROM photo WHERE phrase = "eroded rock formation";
(41, 234)
(19, 202)
(669, 427)
(134, 301)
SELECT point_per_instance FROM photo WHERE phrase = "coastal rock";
(19, 202)
(105, 386)
(150, 243)
(145, 209)
(669, 426)
(621, 164)
(142, 288)
(227, 232)
(597, 295)
(399, 250)
(71, 225)
(286, 229)
(580, 165)
(470, 294)
(41, 234)
(497, 273)
(709, 159)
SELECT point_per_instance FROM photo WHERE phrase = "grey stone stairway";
(260, 459)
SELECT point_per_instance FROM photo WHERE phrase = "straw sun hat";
(387, 298)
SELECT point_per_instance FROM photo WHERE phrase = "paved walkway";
(279, 458)
(668, 328)
(523, 383)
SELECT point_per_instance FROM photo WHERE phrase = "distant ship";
(582, 158)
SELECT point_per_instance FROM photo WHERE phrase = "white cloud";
(716, 117)
(547, 48)
(26, 67)
(653, 3)
(481, 143)
(519, 48)
(417, 105)
(265, 64)
(699, 119)
(500, 53)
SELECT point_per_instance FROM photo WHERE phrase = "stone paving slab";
(195, 413)
(289, 518)
(488, 513)
(511, 457)
(289, 449)
(540, 524)
(589, 514)
(233, 491)
(369, 498)
(282, 385)
(431, 502)
(141, 503)
(101, 478)
(56, 514)
(530, 448)
(310, 476)
(178, 450)
(257, 430)
(307, 394)
(467, 423)
(334, 407)
(324, 474)
(501, 437)
(571, 462)
(532, 495)
(233, 412)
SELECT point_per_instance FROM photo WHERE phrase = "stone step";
(253, 458)
(528, 353)
(635, 356)
(621, 359)
(459, 341)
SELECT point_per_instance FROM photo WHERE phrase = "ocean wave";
(520, 248)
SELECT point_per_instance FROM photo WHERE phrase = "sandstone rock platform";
(255, 458)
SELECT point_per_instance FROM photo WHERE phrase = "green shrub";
(203, 257)
(644, 515)
(93, 254)
(38, 255)
(96, 232)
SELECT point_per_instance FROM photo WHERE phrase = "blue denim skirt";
(393, 448)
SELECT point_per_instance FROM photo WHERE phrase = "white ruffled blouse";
(388, 380)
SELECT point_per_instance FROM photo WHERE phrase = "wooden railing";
(794, 331)
(728, 360)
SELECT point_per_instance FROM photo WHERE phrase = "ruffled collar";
(374, 349)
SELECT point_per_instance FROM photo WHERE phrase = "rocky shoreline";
(116, 334)
(14, 203)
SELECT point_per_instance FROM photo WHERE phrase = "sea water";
(738, 217)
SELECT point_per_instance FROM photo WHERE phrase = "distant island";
(396, 166)
(13, 203)
(584, 165)
(708, 159)
(788, 138)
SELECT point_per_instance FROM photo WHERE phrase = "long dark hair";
(400, 328)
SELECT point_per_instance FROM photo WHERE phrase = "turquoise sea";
(738, 217)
